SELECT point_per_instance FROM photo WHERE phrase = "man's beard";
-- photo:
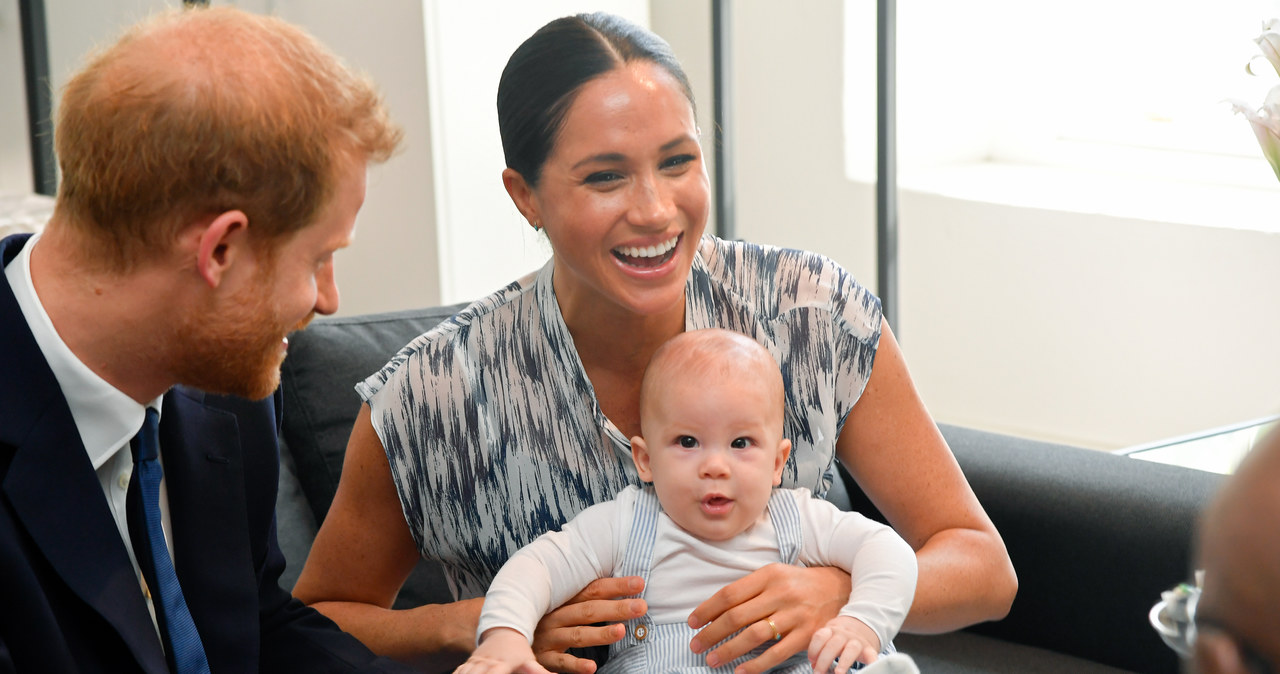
(236, 348)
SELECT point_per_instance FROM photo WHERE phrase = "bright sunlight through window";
(1117, 86)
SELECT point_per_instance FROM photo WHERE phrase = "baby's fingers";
(853, 651)
(824, 648)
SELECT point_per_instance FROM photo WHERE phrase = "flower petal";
(1269, 43)
(1269, 139)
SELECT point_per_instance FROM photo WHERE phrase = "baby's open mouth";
(716, 504)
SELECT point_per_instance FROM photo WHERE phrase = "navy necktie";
(183, 648)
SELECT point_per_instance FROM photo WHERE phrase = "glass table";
(1218, 450)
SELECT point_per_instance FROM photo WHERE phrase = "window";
(1121, 86)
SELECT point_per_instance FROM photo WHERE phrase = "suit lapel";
(54, 492)
(204, 470)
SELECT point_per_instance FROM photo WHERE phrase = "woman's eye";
(687, 441)
(600, 177)
(740, 443)
(678, 161)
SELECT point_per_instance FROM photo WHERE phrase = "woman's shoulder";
(781, 279)
(476, 329)
(506, 306)
(732, 252)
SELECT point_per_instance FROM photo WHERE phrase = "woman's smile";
(648, 257)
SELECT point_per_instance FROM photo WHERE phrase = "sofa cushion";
(320, 405)
(319, 375)
(967, 653)
(1095, 537)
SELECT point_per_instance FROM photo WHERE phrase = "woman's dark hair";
(545, 73)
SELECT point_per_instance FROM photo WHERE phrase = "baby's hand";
(842, 642)
(502, 651)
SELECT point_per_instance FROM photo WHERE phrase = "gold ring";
(776, 634)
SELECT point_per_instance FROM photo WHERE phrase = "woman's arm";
(364, 552)
(362, 555)
(893, 449)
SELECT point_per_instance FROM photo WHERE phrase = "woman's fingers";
(589, 612)
(798, 600)
(577, 624)
(730, 609)
(609, 588)
(565, 663)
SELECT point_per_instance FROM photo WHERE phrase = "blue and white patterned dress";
(494, 434)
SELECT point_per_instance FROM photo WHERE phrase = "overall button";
(641, 632)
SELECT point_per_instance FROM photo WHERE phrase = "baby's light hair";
(712, 352)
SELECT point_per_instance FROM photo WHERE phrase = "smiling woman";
(607, 213)
(516, 414)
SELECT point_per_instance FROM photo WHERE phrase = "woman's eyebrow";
(602, 158)
(679, 140)
(606, 157)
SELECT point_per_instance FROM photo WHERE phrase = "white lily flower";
(1266, 126)
(1266, 120)
(1269, 43)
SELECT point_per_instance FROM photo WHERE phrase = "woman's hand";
(778, 603)
(576, 623)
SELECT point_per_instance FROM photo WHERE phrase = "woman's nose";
(652, 204)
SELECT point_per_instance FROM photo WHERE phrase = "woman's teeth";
(650, 251)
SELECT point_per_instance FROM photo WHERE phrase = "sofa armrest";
(1095, 537)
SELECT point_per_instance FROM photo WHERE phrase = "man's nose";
(326, 291)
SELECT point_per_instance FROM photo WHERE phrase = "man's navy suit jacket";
(69, 597)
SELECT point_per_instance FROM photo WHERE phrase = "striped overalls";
(650, 648)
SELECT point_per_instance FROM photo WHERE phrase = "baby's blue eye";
(740, 443)
(688, 441)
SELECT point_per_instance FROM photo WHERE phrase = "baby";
(711, 418)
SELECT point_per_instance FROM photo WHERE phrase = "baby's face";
(714, 451)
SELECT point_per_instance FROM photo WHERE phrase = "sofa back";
(319, 375)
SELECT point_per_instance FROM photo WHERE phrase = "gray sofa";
(1094, 537)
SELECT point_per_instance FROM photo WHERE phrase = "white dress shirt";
(106, 418)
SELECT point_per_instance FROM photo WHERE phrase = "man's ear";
(640, 454)
(521, 195)
(221, 243)
(784, 451)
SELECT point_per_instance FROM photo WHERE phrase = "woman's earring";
(536, 225)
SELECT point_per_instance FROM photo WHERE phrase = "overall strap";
(786, 524)
(638, 559)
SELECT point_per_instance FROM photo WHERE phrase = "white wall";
(15, 158)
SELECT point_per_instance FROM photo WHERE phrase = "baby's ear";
(784, 451)
(640, 455)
